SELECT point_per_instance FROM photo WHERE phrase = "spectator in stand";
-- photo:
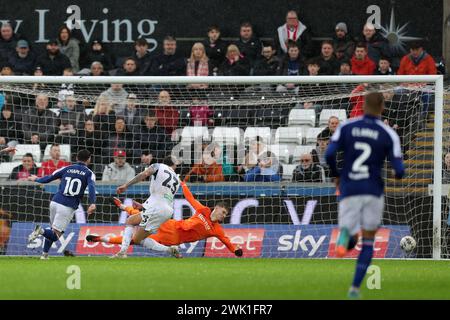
(201, 113)
(333, 123)
(70, 120)
(152, 138)
(5, 230)
(8, 41)
(70, 47)
(291, 65)
(168, 116)
(329, 65)
(169, 63)
(215, 48)
(267, 169)
(142, 56)
(294, 30)
(255, 148)
(6, 69)
(198, 65)
(53, 62)
(235, 63)
(129, 68)
(39, 120)
(249, 45)
(417, 62)
(343, 43)
(377, 45)
(55, 163)
(103, 116)
(446, 173)
(10, 127)
(26, 169)
(308, 171)
(384, 67)
(97, 52)
(119, 139)
(207, 171)
(268, 63)
(146, 160)
(119, 170)
(133, 116)
(361, 63)
(23, 60)
(91, 139)
(117, 96)
(313, 67)
(97, 69)
(345, 69)
(318, 154)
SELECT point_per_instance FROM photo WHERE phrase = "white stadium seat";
(22, 149)
(66, 154)
(300, 150)
(282, 151)
(227, 135)
(288, 171)
(291, 135)
(252, 132)
(302, 117)
(6, 168)
(327, 113)
(311, 135)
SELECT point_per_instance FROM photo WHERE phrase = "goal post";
(238, 120)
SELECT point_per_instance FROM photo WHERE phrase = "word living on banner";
(307, 244)
(59, 246)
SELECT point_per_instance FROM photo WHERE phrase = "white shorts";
(155, 216)
(361, 212)
(60, 216)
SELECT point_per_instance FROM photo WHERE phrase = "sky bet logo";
(308, 244)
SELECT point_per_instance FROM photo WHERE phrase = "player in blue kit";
(366, 142)
(74, 181)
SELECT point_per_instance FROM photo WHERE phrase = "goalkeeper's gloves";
(238, 252)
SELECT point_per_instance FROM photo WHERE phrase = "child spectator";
(215, 48)
(345, 69)
(384, 67)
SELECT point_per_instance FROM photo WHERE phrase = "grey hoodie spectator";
(70, 47)
(119, 170)
(117, 95)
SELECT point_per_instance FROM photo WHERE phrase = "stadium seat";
(227, 135)
(22, 149)
(6, 168)
(311, 135)
(252, 132)
(288, 171)
(302, 117)
(66, 154)
(282, 151)
(190, 134)
(298, 151)
(327, 113)
(291, 135)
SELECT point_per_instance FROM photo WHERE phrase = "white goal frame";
(437, 80)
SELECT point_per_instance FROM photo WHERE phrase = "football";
(408, 243)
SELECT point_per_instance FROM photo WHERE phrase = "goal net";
(255, 142)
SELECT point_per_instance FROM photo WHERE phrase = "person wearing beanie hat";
(343, 43)
(97, 53)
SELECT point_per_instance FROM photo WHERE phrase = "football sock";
(50, 235)
(364, 259)
(127, 234)
(151, 244)
(47, 245)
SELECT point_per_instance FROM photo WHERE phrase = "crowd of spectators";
(124, 138)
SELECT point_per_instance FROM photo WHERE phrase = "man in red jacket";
(417, 62)
(361, 63)
(55, 163)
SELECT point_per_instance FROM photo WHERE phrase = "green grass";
(204, 278)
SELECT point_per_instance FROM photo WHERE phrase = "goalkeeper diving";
(203, 224)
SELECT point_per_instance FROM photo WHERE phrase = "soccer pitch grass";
(207, 278)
